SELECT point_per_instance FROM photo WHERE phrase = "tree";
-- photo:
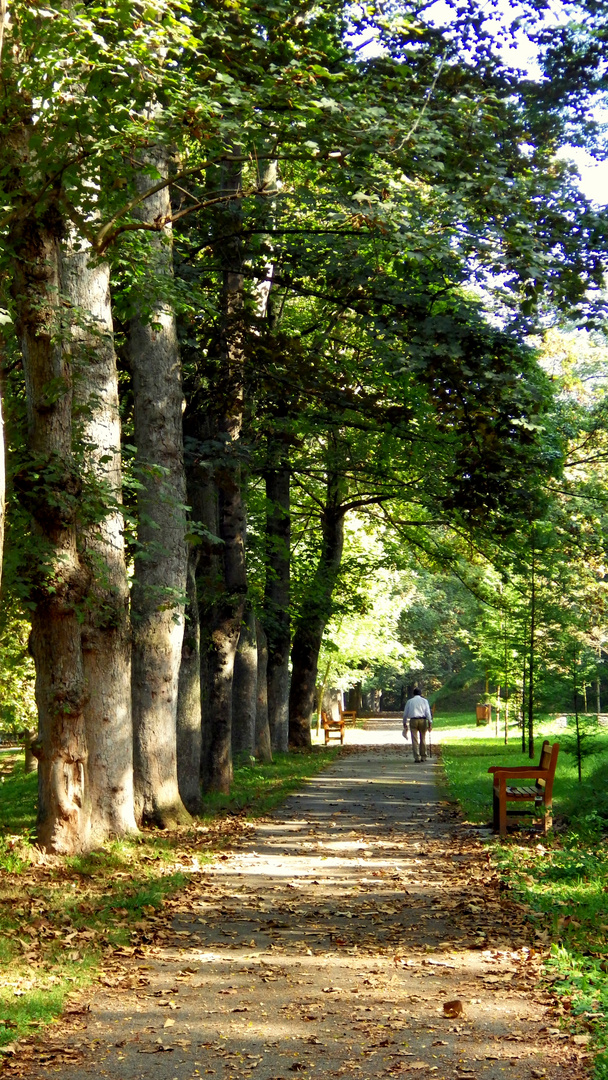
(88, 345)
(2, 488)
(159, 586)
(330, 212)
(55, 152)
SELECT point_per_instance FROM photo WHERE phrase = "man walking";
(418, 716)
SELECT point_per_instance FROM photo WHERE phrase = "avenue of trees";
(268, 269)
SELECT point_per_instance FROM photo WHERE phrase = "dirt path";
(327, 945)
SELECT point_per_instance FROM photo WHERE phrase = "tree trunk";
(315, 612)
(105, 635)
(51, 488)
(225, 630)
(355, 697)
(2, 479)
(523, 690)
(263, 748)
(577, 724)
(189, 699)
(506, 682)
(245, 689)
(277, 596)
(202, 497)
(30, 761)
(159, 584)
(228, 421)
(531, 670)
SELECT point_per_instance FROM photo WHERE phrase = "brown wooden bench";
(348, 716)
(332, 728)
(541, 793)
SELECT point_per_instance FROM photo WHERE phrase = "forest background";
(303, 378)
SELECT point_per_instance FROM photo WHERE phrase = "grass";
(18, 794)
(563, 879)
(60, 923)
(62, 920)
(257, 789)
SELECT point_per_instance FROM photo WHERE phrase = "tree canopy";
(282, 367)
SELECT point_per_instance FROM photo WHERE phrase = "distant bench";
(541, 793)
(334, 729)
(347, 716)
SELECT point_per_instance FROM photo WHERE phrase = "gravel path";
(358, 932)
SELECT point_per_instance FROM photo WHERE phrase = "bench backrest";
(548, 761)
(328, 720)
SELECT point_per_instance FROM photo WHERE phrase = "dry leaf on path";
(453, 1008)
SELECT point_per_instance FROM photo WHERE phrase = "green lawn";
(257, 788)
(563, 878)
(18, 794)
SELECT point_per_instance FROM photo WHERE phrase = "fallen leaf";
(453, 1008)
(168, 1023)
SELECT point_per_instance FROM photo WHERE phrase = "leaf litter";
(424, 923)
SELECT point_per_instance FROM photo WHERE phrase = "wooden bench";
(332, 728)
(541, 793)
(348, 716)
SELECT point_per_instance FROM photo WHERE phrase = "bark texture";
(263, 747)
(202, 497)
(189, 732)
(30, 764)
(277, 596)
(245, 688)
(2, 479)
(228, 423)
(51, 488)
(316, 610)
(160, 570)
(105, 636)
(225, 630)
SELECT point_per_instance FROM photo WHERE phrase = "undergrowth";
(561, 878)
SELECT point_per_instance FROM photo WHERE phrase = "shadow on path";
(327, 944)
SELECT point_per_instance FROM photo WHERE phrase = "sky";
(593, 175)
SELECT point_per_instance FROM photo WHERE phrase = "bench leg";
(495, 819)
(502, 808)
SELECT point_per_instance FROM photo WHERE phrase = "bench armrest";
(519, 771)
